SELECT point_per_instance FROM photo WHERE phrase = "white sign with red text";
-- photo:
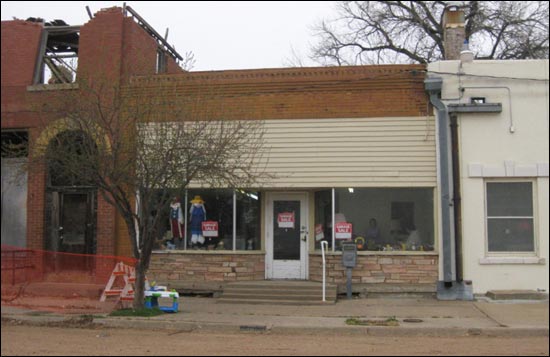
(342, 230)
(285, 220)
(210, 229)
(319, 234)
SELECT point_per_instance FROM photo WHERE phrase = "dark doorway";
(71, 204)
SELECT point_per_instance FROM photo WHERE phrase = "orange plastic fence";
(39, 274)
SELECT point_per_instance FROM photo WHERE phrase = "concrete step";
(297, 297)
(309, 292)
(275, 302)
(277, 292)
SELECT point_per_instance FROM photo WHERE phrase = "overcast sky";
(222, 35)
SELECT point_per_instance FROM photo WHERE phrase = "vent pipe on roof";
(466, 56)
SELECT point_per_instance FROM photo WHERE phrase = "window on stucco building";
(510, 219)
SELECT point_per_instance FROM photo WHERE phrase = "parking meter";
(349, 255)
(349, 261)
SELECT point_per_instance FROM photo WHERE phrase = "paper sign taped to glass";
(343, 230)
(285, 220)
(210, 229)
(319, 234)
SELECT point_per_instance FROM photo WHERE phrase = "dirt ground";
(92, 340)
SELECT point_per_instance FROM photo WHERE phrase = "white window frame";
(533, 217)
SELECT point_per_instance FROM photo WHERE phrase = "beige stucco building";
(500, 109)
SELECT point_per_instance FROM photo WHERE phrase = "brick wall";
(291, 93)
(36, 198)
(391, 269)
(176, 268)
(105, 231)
(20, 41)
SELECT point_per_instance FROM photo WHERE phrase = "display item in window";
(413, 241)
(373, 233)
(198, 215)
(177, 225)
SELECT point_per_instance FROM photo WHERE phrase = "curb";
(194, 326)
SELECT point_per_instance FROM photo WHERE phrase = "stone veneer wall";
(197, 267)
(391, 269)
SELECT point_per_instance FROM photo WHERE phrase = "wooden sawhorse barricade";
(126, 293)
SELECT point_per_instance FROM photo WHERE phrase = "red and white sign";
(319, 234)
(286, 220)
(342, 230)
(210, 229)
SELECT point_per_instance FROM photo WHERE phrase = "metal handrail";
(323, 243)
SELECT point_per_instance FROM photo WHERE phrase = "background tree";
(142, 144)
(373, 32)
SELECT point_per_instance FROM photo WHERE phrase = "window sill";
(210, 252)
(376, 252)
(512, 260)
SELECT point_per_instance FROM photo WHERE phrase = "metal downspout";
(433, 86)
(457, 198)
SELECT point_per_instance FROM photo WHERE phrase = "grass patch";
(87, 316)
(390, 321)
(145, 312)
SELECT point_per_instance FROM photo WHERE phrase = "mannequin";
(198, 215)
(176, 220)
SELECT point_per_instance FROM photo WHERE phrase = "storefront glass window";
(248, 220)
(323, 218)
(208, 218)
(385, 219)
(216, 208)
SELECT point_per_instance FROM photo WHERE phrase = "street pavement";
(414, 317)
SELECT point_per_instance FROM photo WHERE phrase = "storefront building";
(352, 155)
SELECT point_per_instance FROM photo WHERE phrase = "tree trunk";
(139, 286)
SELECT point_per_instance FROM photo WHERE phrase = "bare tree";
(373, 32)
(141, 144)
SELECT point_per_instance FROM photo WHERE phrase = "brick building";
(352, 150)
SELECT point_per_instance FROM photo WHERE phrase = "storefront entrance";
(72, 228)
(286, 236)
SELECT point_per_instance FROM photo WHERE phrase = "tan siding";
(367, 152)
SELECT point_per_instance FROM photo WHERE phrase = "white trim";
(333, 220)
(511, 260)
(508, 169)
(185, 220)
(235, 220)
(282, 269)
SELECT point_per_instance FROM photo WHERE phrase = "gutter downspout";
(448, 289)
(433, 86)
(457, 198)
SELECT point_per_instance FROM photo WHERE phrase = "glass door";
(287, 236)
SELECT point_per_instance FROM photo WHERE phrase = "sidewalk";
(415, 317)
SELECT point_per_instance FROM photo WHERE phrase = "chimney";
(454, 31)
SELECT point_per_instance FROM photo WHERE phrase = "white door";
(286, 236)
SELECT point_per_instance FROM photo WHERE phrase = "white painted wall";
(513, 144)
